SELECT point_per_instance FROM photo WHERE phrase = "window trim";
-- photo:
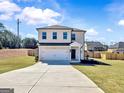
(54, 35)
(44, 35)
(65, 35)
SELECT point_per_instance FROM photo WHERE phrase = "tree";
(7, 38)
(1, 45)
(2, 27)
(29, 43)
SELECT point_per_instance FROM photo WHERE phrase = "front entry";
(73, 54)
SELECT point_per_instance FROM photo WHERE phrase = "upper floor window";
(73, 36)
(54, 35)
(44, 35)
(64, 35)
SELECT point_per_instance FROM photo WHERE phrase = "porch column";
(79, 54)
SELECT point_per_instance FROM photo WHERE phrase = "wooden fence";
(93, 54)
(106, 55)
(4, 53)
(33, 52)
(112, 56)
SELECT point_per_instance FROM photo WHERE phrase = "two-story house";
(61, 43)
(95, 46)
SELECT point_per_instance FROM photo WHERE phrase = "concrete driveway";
(48, 77)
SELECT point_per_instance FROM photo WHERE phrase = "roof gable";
(75, 44)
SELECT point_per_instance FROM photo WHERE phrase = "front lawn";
(8, 64)
(110, 78)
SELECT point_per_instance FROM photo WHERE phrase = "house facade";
(95, 46)
(61, 43)
(117, 48)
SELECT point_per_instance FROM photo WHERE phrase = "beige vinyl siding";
(50, 37)
(79, 37)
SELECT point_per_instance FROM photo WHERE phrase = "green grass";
(8, 64)
(108, 78)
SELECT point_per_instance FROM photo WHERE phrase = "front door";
(73, 54)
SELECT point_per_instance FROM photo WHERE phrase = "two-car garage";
(54, 53)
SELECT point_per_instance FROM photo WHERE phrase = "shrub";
(1, 45)
(36, 58)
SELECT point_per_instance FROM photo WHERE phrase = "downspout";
(70, 43)
(80, 52)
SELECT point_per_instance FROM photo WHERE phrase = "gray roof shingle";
(61, 27)
(94, 44)
(117, 45)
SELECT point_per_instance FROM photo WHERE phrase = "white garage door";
(54, 53)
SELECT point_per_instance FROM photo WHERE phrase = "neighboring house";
(95, 46)
(61, 43)
(117, 48)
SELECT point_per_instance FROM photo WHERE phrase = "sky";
(102, 19)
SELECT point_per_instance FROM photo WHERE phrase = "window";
(64, 35)
(73, 36)
(54, 35)
(44, 35)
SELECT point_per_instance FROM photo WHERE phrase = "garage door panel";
(55, 54)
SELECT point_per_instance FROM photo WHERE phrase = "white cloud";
(121, 39)
(35, 16)
(101, 39)
(92, 32)
(55, 4)
(8, 9)
(30, 15)
(115, 10)
(5, 16)
(29, 0)
(31, 36)
(97, 38)
(24, 0)
(92, 35)
(109, 30)
(4, 0)
(121, 22)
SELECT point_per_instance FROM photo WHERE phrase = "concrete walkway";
(52, 78)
